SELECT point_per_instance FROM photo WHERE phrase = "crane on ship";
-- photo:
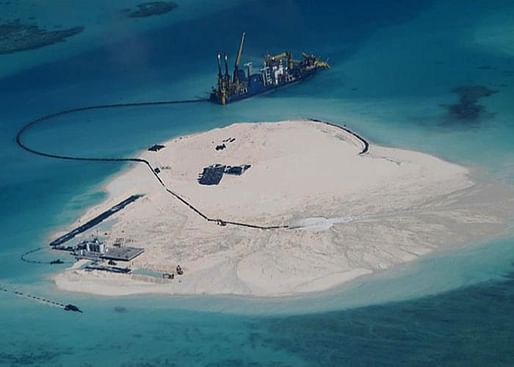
(238, 58)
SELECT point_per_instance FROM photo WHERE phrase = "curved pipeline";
(29, 125)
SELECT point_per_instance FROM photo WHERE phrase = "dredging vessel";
(277, 71)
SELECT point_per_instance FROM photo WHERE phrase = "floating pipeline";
(219, 221)
(46, 301)
(25, 258)
(365, 144)
(29, 125)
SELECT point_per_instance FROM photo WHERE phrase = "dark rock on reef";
(156, 147)
(15, 37)
(120, 309)
(151, 8)
(468, 109)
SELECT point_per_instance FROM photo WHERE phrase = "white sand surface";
(348, 214)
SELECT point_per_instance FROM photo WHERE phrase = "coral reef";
(151, 8)
(468, 109)
(15, 37)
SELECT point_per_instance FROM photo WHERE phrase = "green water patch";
(473, 326)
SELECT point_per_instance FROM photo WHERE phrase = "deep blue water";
(395, 65)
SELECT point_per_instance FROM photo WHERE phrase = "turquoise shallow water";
(394, 68)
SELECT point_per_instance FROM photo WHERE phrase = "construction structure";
(97, 250)
(277, 71)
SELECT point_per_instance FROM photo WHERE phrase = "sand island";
(337, 209)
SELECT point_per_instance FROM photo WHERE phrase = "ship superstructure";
(277, 71)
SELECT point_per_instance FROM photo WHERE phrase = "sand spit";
(348, 214)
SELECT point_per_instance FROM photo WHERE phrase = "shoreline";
(366, 290)
(115, 285)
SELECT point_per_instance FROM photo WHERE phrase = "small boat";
(70, 307)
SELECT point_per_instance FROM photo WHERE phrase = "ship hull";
(257, 89)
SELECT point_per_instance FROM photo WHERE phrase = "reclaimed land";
(334, 207)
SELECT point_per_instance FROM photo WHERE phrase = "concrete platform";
(122, 253)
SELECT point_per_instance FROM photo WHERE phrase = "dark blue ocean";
(395, 67)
